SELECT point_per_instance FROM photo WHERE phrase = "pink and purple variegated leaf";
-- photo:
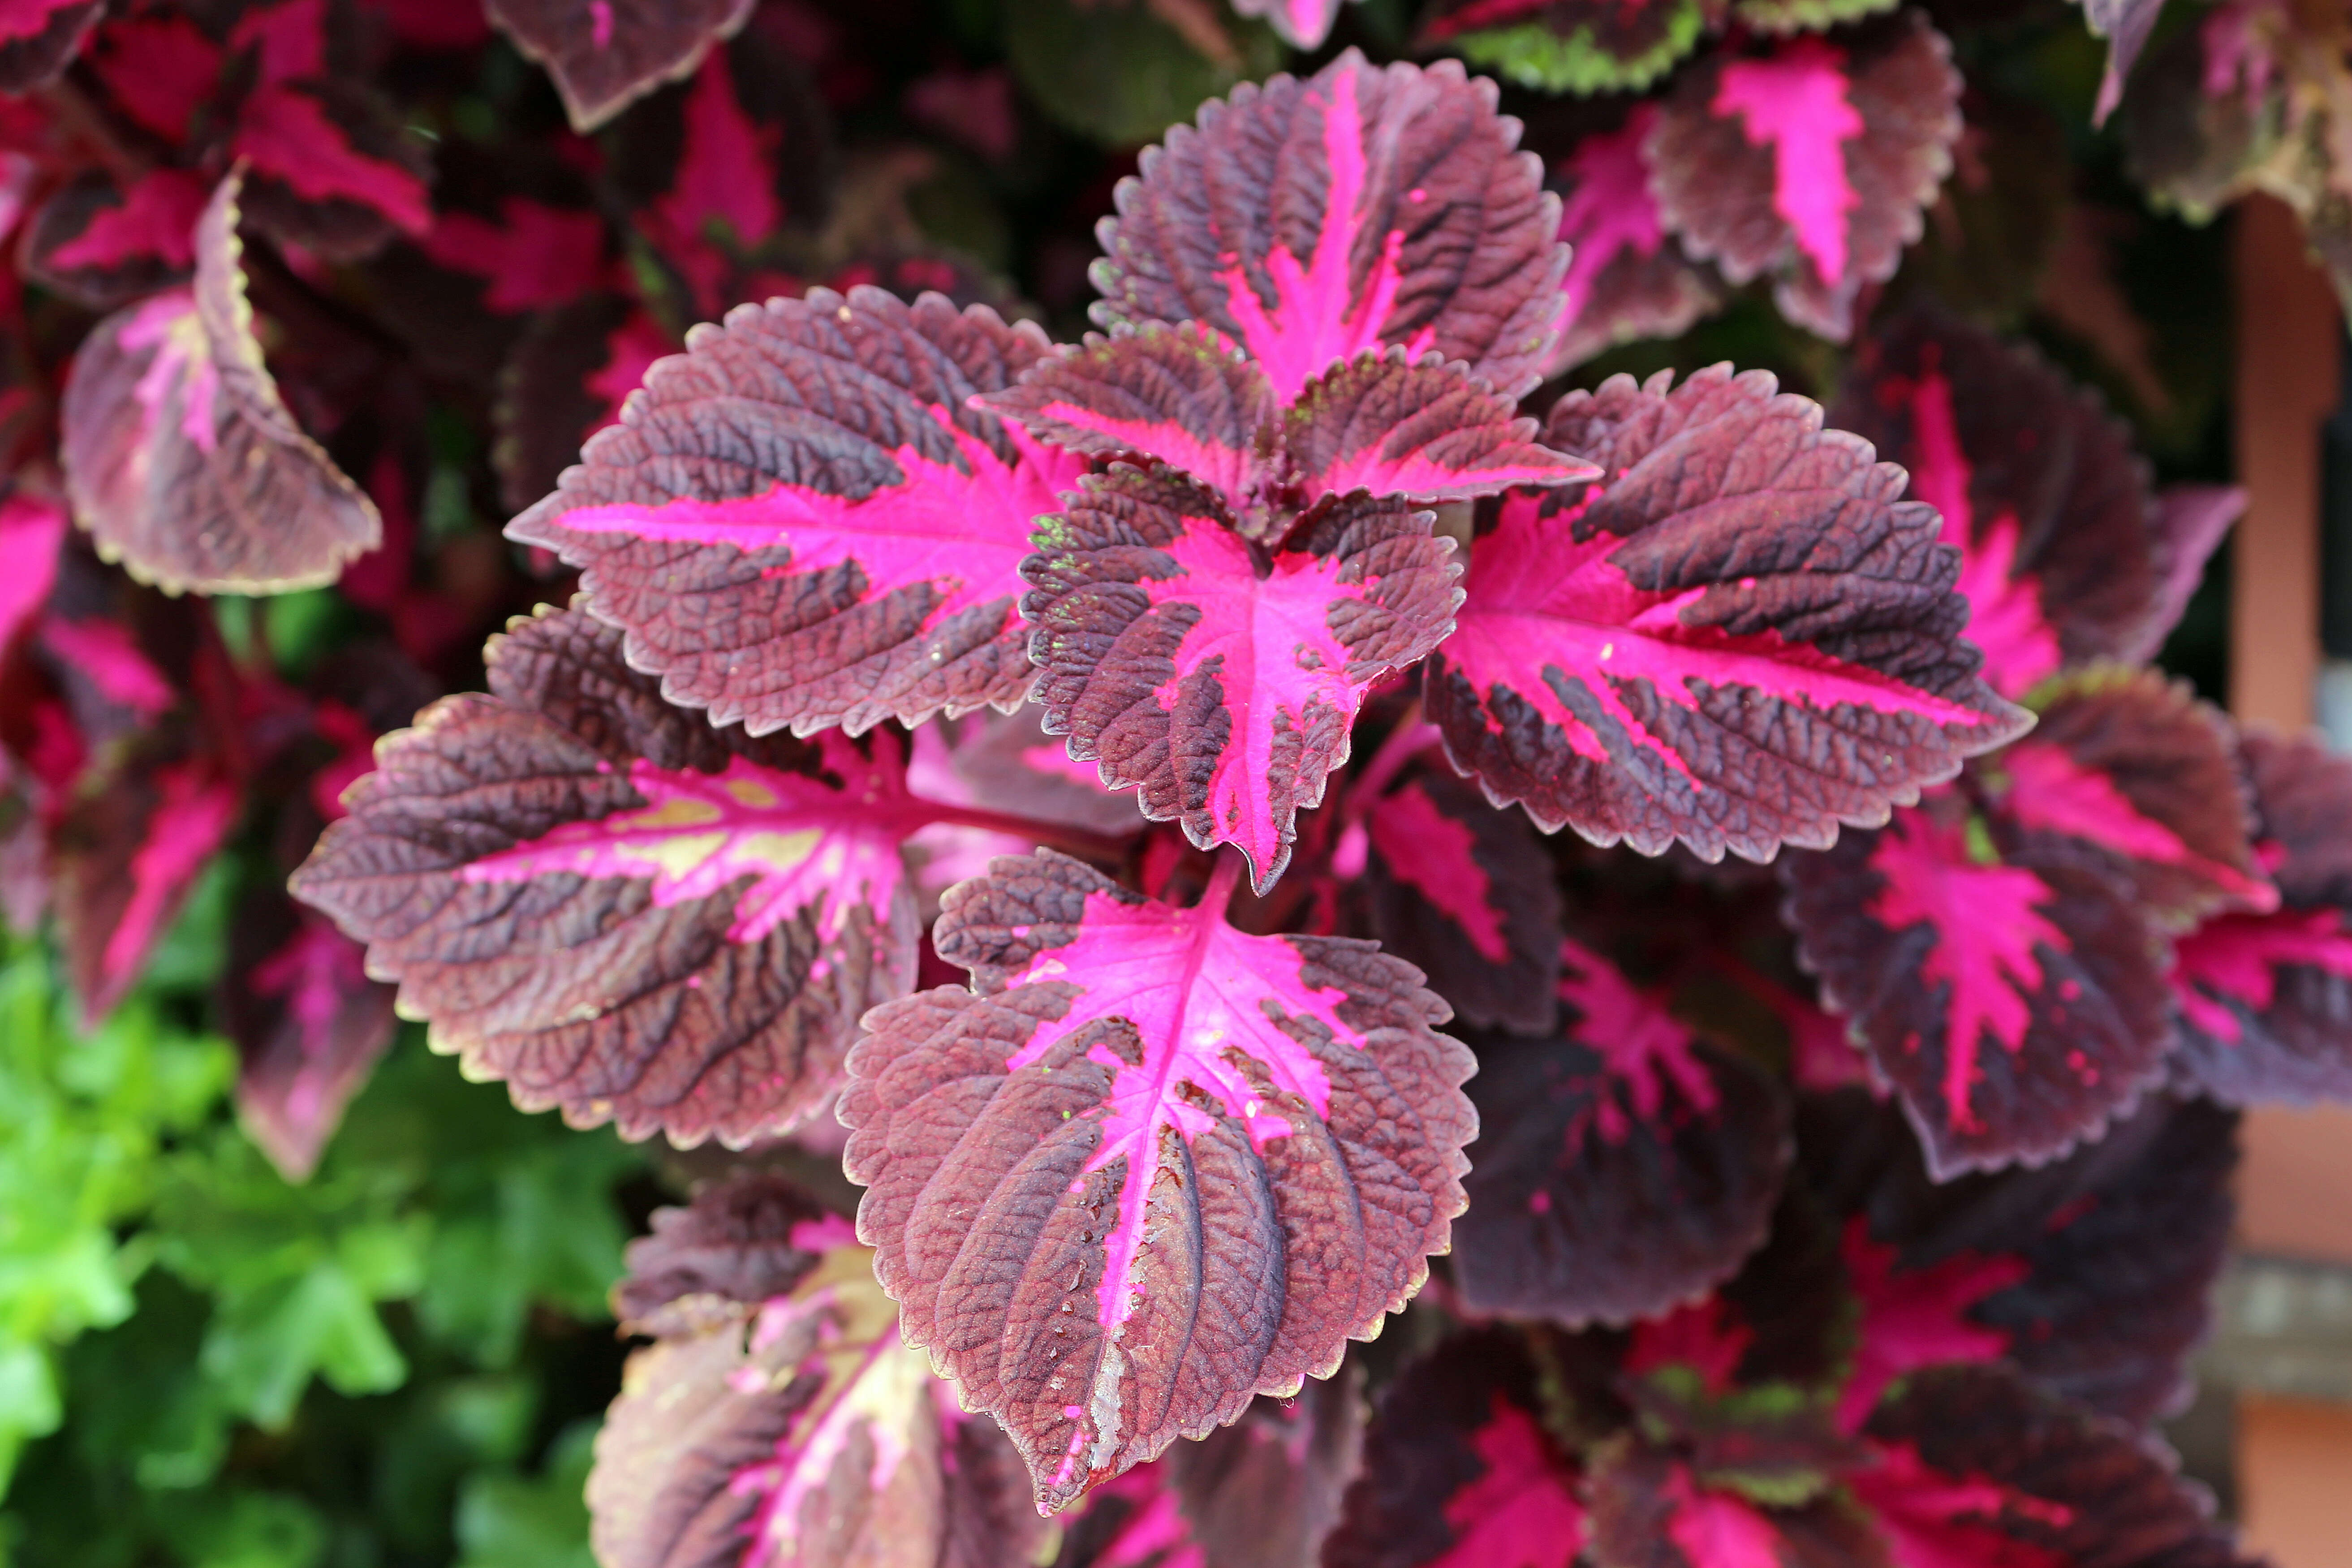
(2189, 522)
(1149, 1167)
(2092, 1274)
(1810, 164)
(1976, 1465)
(38, 38)
(102, 244)
(2037, 484)
(1622, 1168)
(1627, 277)
(1218, 679)
(308, 1025)
(1265, 1492)
(127, 853)
(1303, 23)
(800, 523)
(330, 167)
(1376, 423)
(1364, 209)
(604, 54)
(2132, 768)
(180, 457)
(1459, 1470)
(1465, 893)
(746, 1237)
(2263, 1002)
(1650, 1508)
(33, 528)
(618, 909)
(796, 1431)
(2013, 998)
(1739, 638)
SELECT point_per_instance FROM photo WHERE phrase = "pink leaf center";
(1521, 1511)
(1435, 855)
(1915, 1317)
(1644, 1046)
(2049, 790)
(1796, 102)
(1611, 212)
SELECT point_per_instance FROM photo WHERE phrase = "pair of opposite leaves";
(1740, 639)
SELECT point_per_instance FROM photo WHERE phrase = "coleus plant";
(1099, 774)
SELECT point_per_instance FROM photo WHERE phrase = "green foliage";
(1536, 55)
(1117, 72)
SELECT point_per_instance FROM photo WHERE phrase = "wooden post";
(2294, 1458)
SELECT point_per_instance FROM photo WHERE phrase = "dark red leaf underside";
(1811, 164)
(2265, 1001)
(2036, 482)
(1622, 1168)
(743, 1239)
(797, 1432)
(604, 54)
(38, 38)
(619, 910)
(1149, 1167)
(1459, 1471)
(1739, 639)
(2133, 768)
(1216, 680)
(180, 457)
(1464, 893)
(1627, 277)
(2013, 1000)
(1363, 208)
(2093, 1274)
(308, 1025)
(800, 522)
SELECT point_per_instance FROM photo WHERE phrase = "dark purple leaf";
(1221, 679)
(1810, 164)
(615, 907)
(1737, 639)
(38, 38)
(743, 1239)
(1627, 277)
(1150, 1167)
(1265, 1491)
(308, 1025)
(2013, 998)
(1622, 1168)
(2265, 1001)
(568, 376)
(329, 167)
(604, 54)
(2037, 484)
(1364, 209)
(181, 458)
(800, 523)
(104, 245)
(1650, 1509)
(1465, 893)
(2189, 522)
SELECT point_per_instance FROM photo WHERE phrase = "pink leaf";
(534, 256)
(1795, 103)
(38, 38)
(160, 67)
(32, 530)
(1093, 1178)
(286, 135)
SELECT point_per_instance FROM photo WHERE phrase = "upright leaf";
(180, 457)
(1622, 1168)
(856, 559)
(619, 910)
(1810, 164)
(604, 54)
(2011, 995)
(1363, 208)
(1217, 679)
(1738, 638)
(1149, 1166)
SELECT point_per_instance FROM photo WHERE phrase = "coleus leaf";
(2188, 524)
(1809, 164)
(2132, 767)
(798, 1432)
(2037, 484)
(533, 256)
(127, 853)
(1150, 1167)
(745, 1238)
(2011, 995)
(1459, 1469)
(1621, 1168)
(1375, 423)
(1363, 208)
(1572, 46)
(330, 167)
(568, 376)
(1627, 277)
(1976, 1465)
(1303, 23)
(33, 527)
(2263, 1002)
(38, 38)
(852, 561)
(103, 244)
(1464, 893)
(2127, 24)
(618, 909)
(1650, 1509)
(180, 457)
(604, 54)
(1217, 677)
(2092, 1274)
(308, 1025)
(1739, 639)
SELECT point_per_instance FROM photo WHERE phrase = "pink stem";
(1079, 840)
(1227, 876)
(1412, 736)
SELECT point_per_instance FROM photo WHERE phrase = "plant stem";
(1411, 737)
(1218, 896)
